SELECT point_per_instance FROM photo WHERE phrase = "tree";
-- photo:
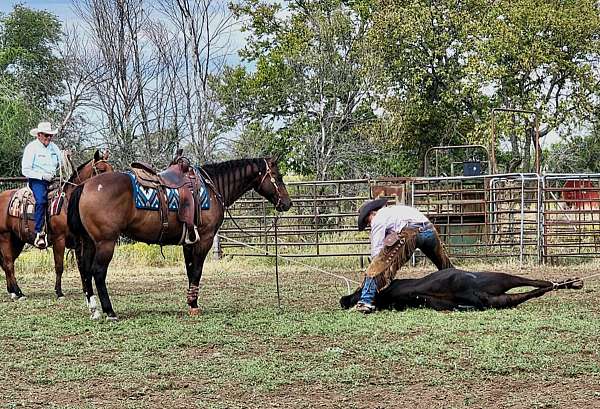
(575, 154)
(539, 55)
(31, 77)
(305, 92)
(156, 59)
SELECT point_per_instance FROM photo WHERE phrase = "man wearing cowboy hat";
(41, 158)
(396, 231)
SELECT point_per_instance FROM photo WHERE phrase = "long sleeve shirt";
(39, 161)
(392, 218)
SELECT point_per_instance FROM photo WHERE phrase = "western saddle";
(183, 177)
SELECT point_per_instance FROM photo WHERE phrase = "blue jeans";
(40, 194)
(368, 291)
(428, 242)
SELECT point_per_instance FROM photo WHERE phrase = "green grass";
(243, 351)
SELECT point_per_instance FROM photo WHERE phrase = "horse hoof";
(60, 299)
(22, 298)
(194, 311)
(577, 283)
(113, 318)
(96, 315)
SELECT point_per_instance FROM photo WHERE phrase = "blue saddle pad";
(147, 198)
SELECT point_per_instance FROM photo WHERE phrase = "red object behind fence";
(581, 194)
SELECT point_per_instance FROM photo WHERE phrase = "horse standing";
(14, 236)
(104, 209)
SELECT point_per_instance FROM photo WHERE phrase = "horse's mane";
(76, 171)
(221, 168)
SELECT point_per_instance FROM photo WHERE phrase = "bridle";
(269, 173)
(95, 168)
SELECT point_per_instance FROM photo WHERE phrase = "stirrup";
(187, 236)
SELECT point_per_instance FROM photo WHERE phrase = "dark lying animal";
(453, 289)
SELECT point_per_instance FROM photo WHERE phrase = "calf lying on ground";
(453, 289)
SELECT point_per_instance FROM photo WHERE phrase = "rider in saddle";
(41, 159)
(396, 231)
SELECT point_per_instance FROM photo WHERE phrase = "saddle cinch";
(181, 176)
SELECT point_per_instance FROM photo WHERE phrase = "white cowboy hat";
(43, 127)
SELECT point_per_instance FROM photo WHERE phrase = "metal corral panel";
(522, 216)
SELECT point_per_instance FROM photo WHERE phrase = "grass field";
(244, 352)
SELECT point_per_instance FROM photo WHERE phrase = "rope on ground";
(574, 280)
(347, 280)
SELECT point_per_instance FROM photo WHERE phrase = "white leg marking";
(93, 305)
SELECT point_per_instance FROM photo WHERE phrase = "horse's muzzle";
(283, 205)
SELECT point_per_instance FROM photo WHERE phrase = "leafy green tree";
(421, 51)
(30, 79)
(444, 65)
(575, 154)
(306, 92)
(539, 55)
(27, 41)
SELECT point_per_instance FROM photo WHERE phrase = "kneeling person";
(396, 231)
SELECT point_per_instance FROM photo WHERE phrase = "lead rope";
(294, 261)
(574, 280)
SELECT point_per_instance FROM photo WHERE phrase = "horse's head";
(99, 164)
(269, 184)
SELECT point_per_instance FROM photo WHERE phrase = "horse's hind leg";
(499, 283)
(85, 251)
(512, 300)
(104, 253)
(10, 248)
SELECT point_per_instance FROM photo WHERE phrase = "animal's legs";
(194, 261)
(512, 300)
(58, 250)
(10, 248)
(85, 251)
(499, 283)
(104, 253)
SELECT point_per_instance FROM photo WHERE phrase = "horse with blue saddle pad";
(111, 206)
(179, 188)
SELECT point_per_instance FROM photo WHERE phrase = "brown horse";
(13, 235)
(103, 209)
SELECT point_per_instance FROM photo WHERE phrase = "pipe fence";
(527, 217)
(546, 218)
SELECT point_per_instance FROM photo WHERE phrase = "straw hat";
(43, 127)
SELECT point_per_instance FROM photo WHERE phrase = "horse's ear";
(105, 155)
(179, 152)
(276, 157)
(97, 155)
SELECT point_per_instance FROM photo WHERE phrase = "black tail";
(76, 228)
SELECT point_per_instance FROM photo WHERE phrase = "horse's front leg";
(194, 256)
(58, 249)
